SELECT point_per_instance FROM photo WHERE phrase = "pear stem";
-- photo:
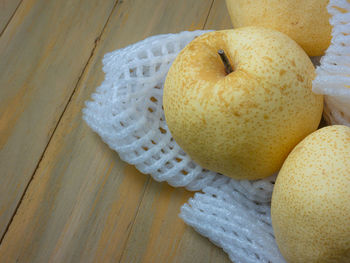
(224, 58)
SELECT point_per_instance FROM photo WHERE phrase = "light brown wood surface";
(7, 10)
(44, 50)
(64, 195)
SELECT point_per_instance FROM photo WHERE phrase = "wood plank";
(7, 9)
(158, 234)
(82, 201)
(44, 51)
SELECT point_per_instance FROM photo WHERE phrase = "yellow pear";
(242, 124)
(305, 21)
(310, 207)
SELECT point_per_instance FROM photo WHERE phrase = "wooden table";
(64, 195)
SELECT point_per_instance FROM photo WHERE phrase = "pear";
(305, 21)
(310, 206)
(241, 112)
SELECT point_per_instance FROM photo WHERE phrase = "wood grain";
(158, 234)
(44, 50)
(7, 9)
(83, 201)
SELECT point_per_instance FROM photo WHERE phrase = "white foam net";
(333, 75)
(126, 111)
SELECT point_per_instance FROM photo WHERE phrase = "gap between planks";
(96, 43)
(206, 20)
(10, 18)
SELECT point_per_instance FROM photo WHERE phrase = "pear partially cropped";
(242, 124)
(310, 206)
(305, 21)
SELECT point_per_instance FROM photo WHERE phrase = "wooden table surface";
(64, 195)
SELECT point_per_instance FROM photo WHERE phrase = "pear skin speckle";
(310, 207)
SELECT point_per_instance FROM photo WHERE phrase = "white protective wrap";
(333, 75)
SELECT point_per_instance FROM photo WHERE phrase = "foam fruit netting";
(333, 75)
(126, 111)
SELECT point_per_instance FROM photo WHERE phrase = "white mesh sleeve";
(333, 75)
